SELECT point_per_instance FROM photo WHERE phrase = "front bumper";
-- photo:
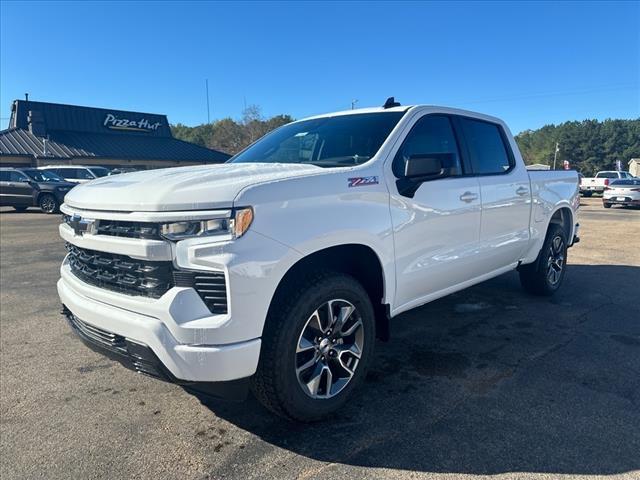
(140, 358)
(186, 359)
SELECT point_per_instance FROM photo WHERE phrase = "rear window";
(607, 175)
(618, 183)
(99, 171)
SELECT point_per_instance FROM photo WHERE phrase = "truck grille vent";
(151, 279)
(117, 228)
(211, 286)
(96, 335)
(120, 273)
(128, 229)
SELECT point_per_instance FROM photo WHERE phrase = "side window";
(4, 175)
(65, 172)
(487, 150)
(82, 174)
(430, 134)
(17, 177)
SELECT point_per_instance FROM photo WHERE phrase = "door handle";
(522, 191)
(468, 197)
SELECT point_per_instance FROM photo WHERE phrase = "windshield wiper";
(341, 161)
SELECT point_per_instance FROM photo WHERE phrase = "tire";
(536, 277)
(587, 194)
(606, 205)
(282, 383)
(20, 209)
(48, 203)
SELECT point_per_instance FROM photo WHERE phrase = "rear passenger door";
(505, 190)
(17, 190)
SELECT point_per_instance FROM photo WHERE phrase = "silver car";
(624, 192)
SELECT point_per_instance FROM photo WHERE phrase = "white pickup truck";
(278, 270)
(599, 183)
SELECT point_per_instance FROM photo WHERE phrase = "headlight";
(235, 225)
(62, 189)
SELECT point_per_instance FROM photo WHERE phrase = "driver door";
(437, 230)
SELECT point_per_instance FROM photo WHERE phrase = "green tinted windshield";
(338, 141)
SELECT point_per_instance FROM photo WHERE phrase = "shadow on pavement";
(491, 380)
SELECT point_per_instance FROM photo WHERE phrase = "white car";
(278, 269)
(622, 192)
(77, 173)
(598, 184)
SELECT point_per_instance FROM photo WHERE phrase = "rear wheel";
(316, 347)
(48, 203)
(606, 205)
(587, 194)
(545, 275)
(19, 209)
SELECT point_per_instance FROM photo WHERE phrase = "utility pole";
(353, 104)
(206, 83)
(555, 155)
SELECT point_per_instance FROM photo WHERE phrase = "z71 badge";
(362, 181)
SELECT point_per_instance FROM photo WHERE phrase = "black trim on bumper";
(140, 358)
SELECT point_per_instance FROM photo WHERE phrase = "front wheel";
(545, 275)
(316, 346)
(606, 205)
(48, 203)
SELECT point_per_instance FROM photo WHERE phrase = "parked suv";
(77, 173)
(21, 188)
(280, 268)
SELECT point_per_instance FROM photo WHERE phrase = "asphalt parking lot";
(486, 381)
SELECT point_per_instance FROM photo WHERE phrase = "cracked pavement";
(487, 381)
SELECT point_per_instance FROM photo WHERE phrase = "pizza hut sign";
(142, 125)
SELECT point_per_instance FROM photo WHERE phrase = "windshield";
(327, 142)
(99, 171)
(42, 175)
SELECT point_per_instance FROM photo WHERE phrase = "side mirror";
(422, 168)
(426, 166)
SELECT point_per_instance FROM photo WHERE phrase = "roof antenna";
(390, 103)
(26, 97)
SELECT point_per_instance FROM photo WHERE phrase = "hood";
(183, 188)
(53, 185)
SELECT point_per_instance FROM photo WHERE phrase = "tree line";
(588, 145)
(229, 135)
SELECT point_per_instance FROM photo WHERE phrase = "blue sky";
(529, 63)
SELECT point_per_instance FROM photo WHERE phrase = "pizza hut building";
(43, 133)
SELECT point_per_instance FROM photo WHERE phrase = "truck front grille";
(120, 273)
(151, 279)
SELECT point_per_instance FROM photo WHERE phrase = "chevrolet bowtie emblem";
(81, 225)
